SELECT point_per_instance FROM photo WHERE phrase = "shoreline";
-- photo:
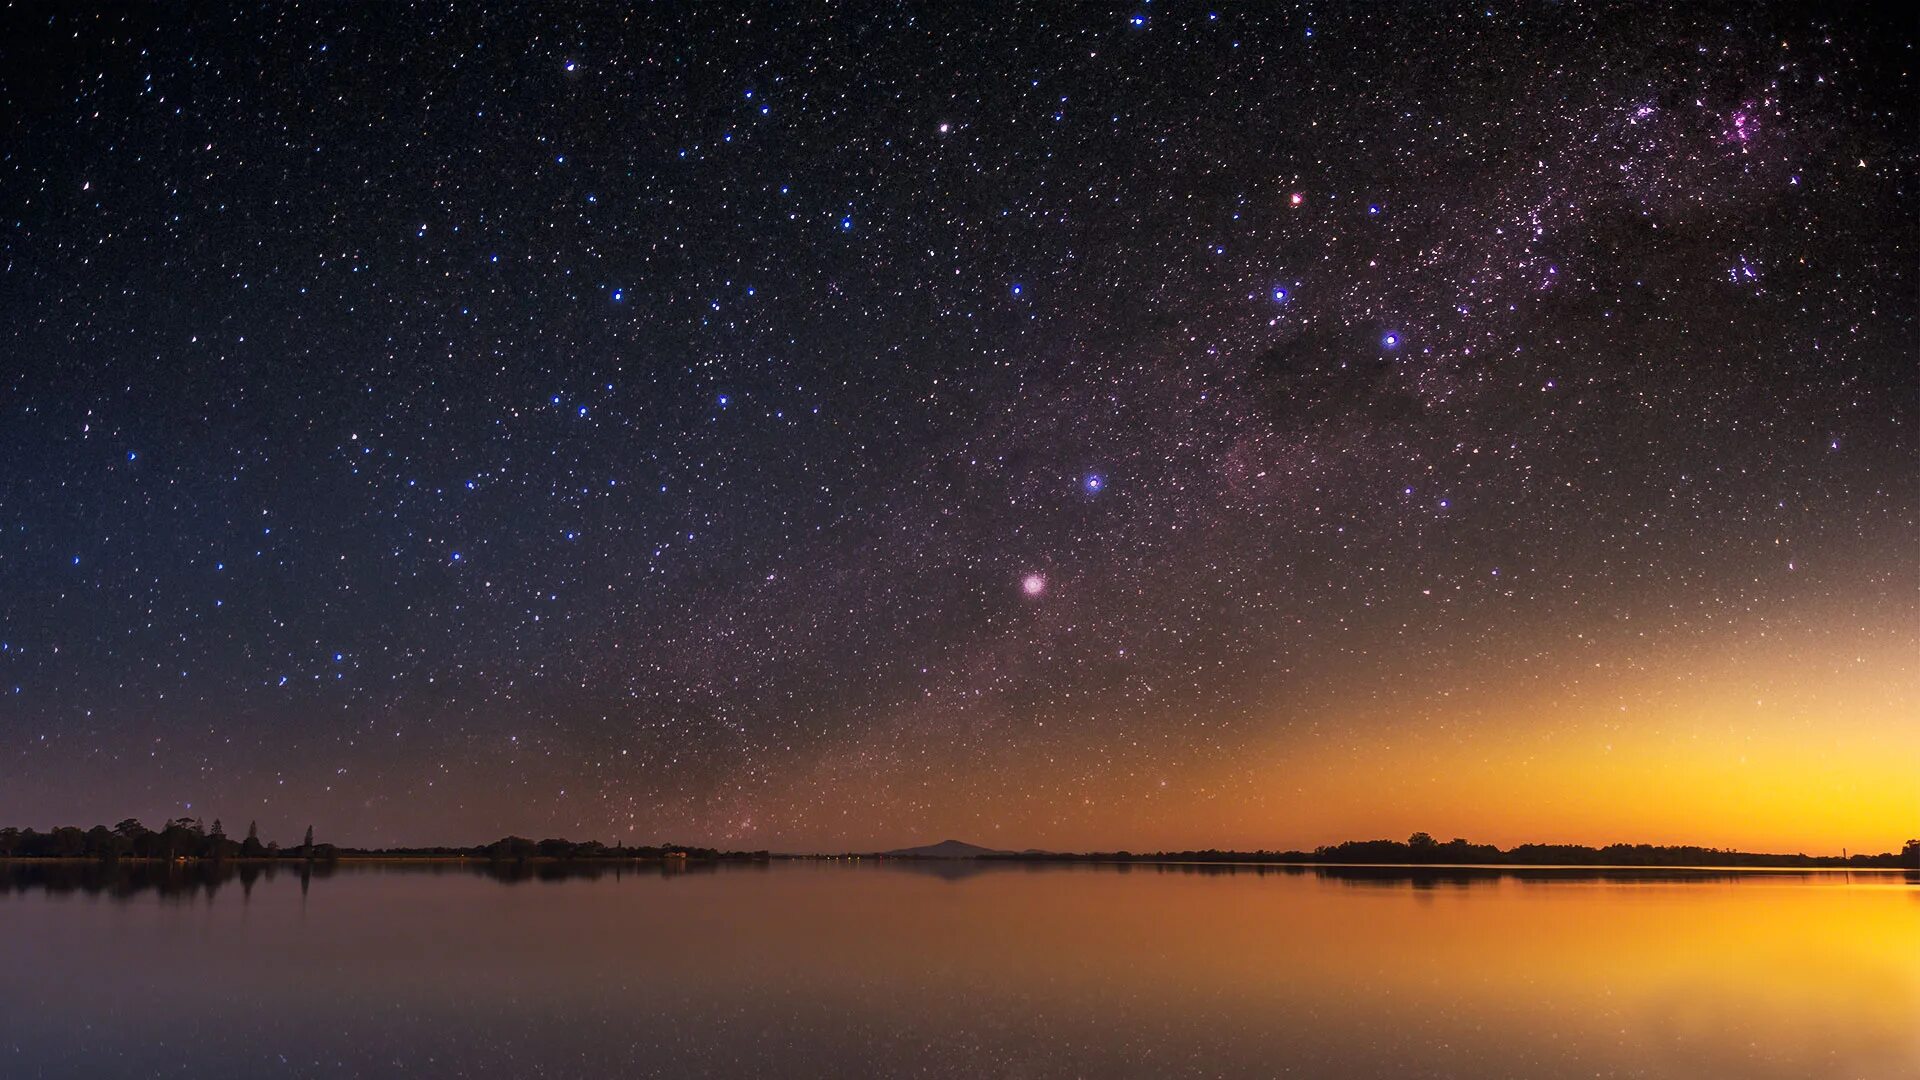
(1498, 868)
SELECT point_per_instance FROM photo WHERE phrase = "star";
(273, 292)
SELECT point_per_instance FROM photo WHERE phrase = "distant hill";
(945, 849)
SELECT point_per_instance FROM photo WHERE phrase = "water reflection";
(207, 880)
(127, 879)
(963, 969)
(167, 880)
(1418, 877)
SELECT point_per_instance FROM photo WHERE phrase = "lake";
(857, 969)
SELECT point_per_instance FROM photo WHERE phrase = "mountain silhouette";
(945, 849)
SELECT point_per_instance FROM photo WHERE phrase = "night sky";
(824, 427)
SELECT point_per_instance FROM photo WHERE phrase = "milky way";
(796, 426)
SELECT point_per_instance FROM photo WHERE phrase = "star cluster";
(786, 426)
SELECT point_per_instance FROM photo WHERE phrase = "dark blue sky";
(766, 426)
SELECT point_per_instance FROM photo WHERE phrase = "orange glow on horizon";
(1756, 748)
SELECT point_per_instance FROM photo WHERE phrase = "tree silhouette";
(179, 840)
(183, 838)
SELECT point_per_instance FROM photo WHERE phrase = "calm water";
(810, 969)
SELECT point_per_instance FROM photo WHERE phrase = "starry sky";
(840, 426)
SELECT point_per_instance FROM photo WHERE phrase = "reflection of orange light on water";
(1099, 970)
(1753, 975)
(1719, 976)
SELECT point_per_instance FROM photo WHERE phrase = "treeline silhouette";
(208, 879)
(518, 848)
(180, 838)
(1421, 848)
(125, 879)
(189, 838)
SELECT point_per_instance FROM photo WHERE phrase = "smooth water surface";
(840, 969)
